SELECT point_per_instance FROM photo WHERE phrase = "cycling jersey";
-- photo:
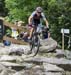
(37, 19)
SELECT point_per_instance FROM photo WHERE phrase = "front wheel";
(34, 45)
(36, 48)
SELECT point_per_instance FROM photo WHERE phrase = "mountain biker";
(35, 19)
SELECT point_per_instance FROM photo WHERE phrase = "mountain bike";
(35, 40)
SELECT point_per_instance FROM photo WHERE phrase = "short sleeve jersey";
(42, 15)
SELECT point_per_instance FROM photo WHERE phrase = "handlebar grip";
(47, 29)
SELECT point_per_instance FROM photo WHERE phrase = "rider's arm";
(30, 18)
(45, 20)
(46, 23)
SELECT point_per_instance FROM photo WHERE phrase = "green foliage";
(58, 13)
(19, 10)
(59, 17)
(2, 5)
(8, 32)
(3, 10)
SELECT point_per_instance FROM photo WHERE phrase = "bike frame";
(35, 39)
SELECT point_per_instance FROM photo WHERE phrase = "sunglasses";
(39, 12)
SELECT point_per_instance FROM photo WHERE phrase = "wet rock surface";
(15, 60)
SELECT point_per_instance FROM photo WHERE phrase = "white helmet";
(39, 9)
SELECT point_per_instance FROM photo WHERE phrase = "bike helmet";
(39, 9)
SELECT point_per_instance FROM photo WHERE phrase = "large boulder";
(14, 49)
(48, 45)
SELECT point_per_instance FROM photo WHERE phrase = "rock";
(2, 67)
(14, 66)
(48, 60)
(14, 48)
(68, 54)
(21, 49)
(48, 45)
(18, 51)
(54, 73)
(60, 53)
(56, 62)
(4, 72)
(18, 66)
(11, 64)
(62, 62)
(19, 73)
(28, 65)
(63, 53)
(7, 58)
(48, 41)
(4, 51)
(68, 73)
(52, 68)
(37, 70)
(7, 72)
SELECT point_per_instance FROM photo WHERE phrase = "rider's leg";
(31, 29)
(48, 34)
(30, 32)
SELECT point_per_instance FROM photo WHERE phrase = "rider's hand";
(47, 29)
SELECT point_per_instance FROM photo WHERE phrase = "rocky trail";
(15, 60)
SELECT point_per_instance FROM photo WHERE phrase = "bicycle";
(35, 40)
